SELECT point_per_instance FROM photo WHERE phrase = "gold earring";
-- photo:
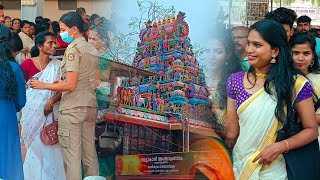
(273, 60)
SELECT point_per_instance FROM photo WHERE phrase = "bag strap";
(44, 123)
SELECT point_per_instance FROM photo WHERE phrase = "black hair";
(71, 19)
(281, 74)
(32, 24)
(93, 17)
(283, 16)
(55, 27)
(314, 32)
(230, 66)
(24, 22)
(43, 26)
(15, 19)
(39, 41)
(46, 20)
(7, 17)
(38, 19)
(104, 32)
(16, 42)
(303, 19)
(81, 11)
(35, 27)
(7, 75)
(306, 38)
(1, 7)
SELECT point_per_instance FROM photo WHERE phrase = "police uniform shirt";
(81, 57)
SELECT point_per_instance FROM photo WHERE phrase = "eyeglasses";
(238, 37)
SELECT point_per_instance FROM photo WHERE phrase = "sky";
(200, 15)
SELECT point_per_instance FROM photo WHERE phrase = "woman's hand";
(48, 108)
(270, 153)
(36, 84)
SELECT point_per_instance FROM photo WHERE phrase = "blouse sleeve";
(24, 66)
(230, 87)
(21, 89)
(305, 93)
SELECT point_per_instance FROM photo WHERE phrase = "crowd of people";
(268, 95)
(45, 89)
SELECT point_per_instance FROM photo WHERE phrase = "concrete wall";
(51, 10)
(12, 13)
(101, 7)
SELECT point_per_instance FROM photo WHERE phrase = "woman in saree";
(41, 161)
(258, 103)
(224, 63)
(28, 43)
(305, 59)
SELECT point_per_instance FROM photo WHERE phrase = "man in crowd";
(284, 16)
(239, 37)
(304, 24)
(1, 14)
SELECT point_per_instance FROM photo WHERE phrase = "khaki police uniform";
(78, 111)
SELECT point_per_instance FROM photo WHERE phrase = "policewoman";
(78, 106)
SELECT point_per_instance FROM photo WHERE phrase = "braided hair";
(7, 75)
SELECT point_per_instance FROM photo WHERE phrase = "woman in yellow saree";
(305, 59)
(258, 101)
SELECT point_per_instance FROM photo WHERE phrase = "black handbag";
(302, 162)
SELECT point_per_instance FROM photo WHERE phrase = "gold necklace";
(39, 63)
(261, 76)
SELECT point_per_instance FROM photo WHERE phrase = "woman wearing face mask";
(305, 59)
(78, 105)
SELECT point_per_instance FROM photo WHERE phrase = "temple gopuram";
(162, 98)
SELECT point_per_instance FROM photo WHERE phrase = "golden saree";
(258, 129)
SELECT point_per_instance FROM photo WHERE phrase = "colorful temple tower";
(178, 92)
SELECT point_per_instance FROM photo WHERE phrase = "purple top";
(235, 89)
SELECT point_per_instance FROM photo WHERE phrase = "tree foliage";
(284, 2)
(124, 45)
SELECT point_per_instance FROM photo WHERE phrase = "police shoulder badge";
(70, 56)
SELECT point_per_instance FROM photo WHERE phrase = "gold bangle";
(288, 147)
